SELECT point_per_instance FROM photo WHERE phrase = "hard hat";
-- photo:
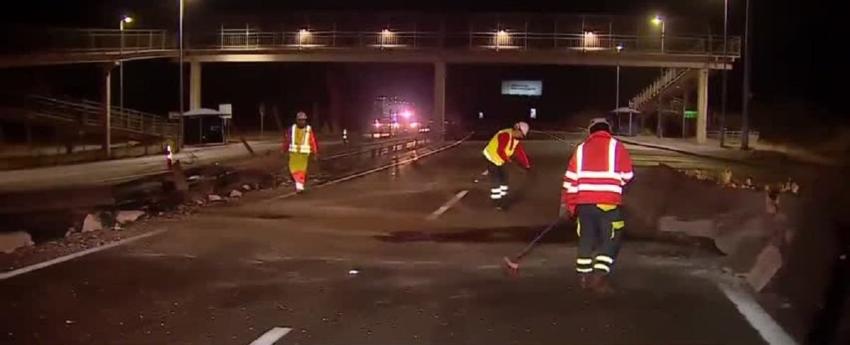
(522, 127)
(301, 115)
(599, 121)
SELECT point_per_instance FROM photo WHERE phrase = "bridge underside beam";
(467, 57)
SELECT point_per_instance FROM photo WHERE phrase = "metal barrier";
(89, 113)
(252, 38)
(107, 40)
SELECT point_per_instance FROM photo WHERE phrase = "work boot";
(600, 284)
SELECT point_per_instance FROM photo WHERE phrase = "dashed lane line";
(439, 212)
(271, 336)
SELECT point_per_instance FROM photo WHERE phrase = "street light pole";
(125, 19)
(745, 111)
(617, 98)
(724, 74)
(180, 43)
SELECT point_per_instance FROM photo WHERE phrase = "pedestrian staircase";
(668, 78)
(88, 115)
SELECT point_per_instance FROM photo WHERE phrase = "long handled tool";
(511, 265)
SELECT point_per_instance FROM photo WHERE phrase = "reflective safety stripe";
(584, 261)
(304, 146)
(599, 188)
(602, 267)
(578, 228)
(571, 175)
(605, 258)
(503, 187)
(627, 175)
(495, 196)
(584, 270)
(612, 155)
(579, 158)
(618, 224)
(606, 207)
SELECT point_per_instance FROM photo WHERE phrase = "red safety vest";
(597, 172)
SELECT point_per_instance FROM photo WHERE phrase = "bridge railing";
(89, 113)
(86, 40)
(251, 38)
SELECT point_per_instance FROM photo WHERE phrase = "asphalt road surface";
(373, 261)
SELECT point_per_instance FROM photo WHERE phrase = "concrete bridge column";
(702, 106)
(195, 85)
(440, 95)
(106, 111)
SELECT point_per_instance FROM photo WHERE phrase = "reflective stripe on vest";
(304, 146)
(491, 151)
(611, 173)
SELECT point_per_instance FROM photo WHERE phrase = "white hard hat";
(599, 121)
(522, 127)
(301, 115)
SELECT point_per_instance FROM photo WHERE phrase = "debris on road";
(214, 198)
(246, 187)
(235, 194)
(125, 217)
(11, 241)
(92, 222)
(353, 272)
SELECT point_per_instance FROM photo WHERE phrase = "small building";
(205, 127)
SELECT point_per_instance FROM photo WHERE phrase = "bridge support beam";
(106, 111)
(702, 106)
(439, 111)
(195, 85)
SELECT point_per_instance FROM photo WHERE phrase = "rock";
(125, 217)
(92, 223)
(214, 198)
(10, 241)
(725, 177)
(235, 194)
(246, 187)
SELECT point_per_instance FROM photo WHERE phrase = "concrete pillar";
(702, 106)
(440, 95)
(195, 85)
(106, 111)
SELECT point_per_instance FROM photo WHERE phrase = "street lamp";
(724, 75)
(124, 20)
(303, 36)
(619, 49)
(659, 21)
(502, 37)
(180, 44)
(386, 36)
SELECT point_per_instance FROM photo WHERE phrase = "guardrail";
(89, 113)
(253, 39)
(734, 137)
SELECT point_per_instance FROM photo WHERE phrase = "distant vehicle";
(393, 116)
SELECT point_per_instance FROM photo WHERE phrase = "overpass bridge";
(550, 40)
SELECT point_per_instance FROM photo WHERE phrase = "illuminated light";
(386, 32)
(377, 124)
(414, 125)
(501, 33)
(407, 114)
(588, 34)
(619, 47)
(127, 19)
(590, 39)
(657, 20)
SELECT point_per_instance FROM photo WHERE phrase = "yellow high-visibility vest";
(491, 152)
(300, 140)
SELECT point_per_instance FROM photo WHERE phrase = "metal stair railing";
(88, 113)
(668, 78)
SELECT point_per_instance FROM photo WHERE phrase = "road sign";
(226, 110)
(690, 114)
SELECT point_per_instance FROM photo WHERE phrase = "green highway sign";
(690, 114)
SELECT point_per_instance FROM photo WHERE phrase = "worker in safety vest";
(500, 150)
(300, 143)
(592, 191)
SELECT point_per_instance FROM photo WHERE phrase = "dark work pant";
(600, 229)
(498, 183)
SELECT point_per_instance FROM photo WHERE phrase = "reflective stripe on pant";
(498, 182)
(298, 163)
(600, 229)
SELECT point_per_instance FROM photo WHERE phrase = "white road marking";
(769, 330)
(436, 214)
(61, 259)
(271, 336)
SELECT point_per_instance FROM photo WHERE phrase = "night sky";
(796, 59)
